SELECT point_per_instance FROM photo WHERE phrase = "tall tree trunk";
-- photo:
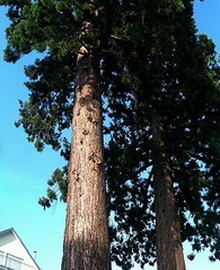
(86, 243)
(168, 238)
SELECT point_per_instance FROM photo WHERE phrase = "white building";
(13, 253)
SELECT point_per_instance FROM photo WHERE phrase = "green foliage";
(58, 184)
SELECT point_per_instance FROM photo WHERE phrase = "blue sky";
(23, 171)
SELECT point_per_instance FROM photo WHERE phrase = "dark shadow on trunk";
(87, 255)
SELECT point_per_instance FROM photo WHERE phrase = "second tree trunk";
(168, 237)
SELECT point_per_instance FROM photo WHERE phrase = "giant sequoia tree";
(160, 86)
(72, 34)
(167, 144)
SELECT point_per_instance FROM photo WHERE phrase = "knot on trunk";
(92, 120)
(95, 158)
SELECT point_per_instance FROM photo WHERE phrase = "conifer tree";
(162, 143)
(71, 34)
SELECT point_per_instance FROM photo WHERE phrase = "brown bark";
(86, 244)
(168, 237)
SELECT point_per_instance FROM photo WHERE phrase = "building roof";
(12, 230)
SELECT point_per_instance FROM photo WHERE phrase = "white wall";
(10, 244)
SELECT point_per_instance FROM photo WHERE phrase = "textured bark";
(168, 238)
(86, 243)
